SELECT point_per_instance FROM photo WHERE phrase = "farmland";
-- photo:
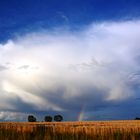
(97, 130)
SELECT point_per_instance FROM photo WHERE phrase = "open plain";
(85, 130)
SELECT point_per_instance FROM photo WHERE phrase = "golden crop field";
(95, 130)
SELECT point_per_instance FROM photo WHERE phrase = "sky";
(77, 58)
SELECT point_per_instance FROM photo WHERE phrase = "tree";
(58, 118)
(137, 118)
(48, 119)
(31, 118)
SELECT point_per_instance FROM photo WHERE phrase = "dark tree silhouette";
(31, 118)
(58, 118)
(48, 119)
(137, 118)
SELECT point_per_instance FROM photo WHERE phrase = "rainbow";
(81, 114)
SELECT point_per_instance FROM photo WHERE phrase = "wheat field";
(94, 130)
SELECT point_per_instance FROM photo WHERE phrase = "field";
(97, 130)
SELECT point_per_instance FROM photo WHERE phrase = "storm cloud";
(94, 71)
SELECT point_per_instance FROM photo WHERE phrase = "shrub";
(137, 118)
(58, 118)
(31, 118)
(48, 119)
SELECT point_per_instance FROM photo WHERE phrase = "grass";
(98, 130)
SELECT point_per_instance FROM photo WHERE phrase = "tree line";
(57, 118)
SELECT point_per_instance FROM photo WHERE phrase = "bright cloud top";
(62, 70)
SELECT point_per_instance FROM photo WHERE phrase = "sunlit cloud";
(62, 70)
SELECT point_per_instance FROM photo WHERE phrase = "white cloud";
(12, 116)
(58, 69)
